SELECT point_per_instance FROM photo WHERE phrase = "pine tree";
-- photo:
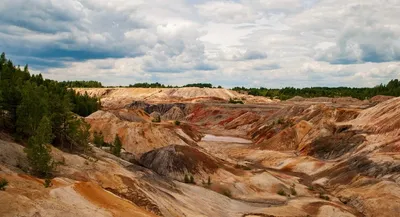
(98, 139)
(116, 150)
(38, 153)
(77, 133)
(34, 105)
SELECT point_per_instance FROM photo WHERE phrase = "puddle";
(212, 138)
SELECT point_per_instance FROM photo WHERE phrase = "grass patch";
(325, 197)
(227, 193)
(3, 184)
(47, 183)
(235, 101)
(281, 192)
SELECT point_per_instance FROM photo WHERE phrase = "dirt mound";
(132, 115)
(175, 161)
(330, 147)
(119, 97)
(343, 115)
(175, 113)
(297, 99)
(380, 98)
(384, 117)
(155, 115)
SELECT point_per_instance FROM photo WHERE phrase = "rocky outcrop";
(138, 137)
(177, 161)
(175, 113)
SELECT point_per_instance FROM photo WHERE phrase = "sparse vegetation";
(3, 184)
(186, 179)
(323, 196)
(156, 119)
(235, 101)
(243, 167)
(293, 190)
(192, 179)
(117, 146)
(98, 139)
(281, 192)
(47, 183)
(189, 179)
(227, 192)
(311, 188)
(280, 121)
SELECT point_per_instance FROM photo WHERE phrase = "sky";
(251, 43)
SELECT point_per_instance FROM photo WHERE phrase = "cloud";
(367, 36)
(227, 12)
(270, 43)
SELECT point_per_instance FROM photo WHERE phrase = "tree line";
(392, 88)
(96, 84)
(41, 112)
(92, 84)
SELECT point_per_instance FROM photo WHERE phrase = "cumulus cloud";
(271, 43)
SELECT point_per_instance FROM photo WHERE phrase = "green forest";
(392, 88)
(40, 111)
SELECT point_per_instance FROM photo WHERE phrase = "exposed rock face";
(155, 116)
(161, 108)
(175, 113)
(176, 161)
(119, 97)
(139, 137)
(330, 147)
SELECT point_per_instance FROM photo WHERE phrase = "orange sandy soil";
(116, 205)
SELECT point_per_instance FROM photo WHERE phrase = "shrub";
(177, 123)
(186, 179)
(281, 121)
(47, 183)
(234, 101)
(209, 181)
(311, 188)
(281, 192)
(192, 179)
(156, 119)
(116, 149)
(98, 139)
(227, 193)
(293, 191)
(3, 184)
(322, 196)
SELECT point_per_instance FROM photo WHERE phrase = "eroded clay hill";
(206, 157)
(118, 97)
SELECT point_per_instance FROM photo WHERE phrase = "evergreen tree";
(116, 150)
(38, 153)
(34, 105)
(98, 139)
(77, 133)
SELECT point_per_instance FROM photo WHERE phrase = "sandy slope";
(119, 97)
